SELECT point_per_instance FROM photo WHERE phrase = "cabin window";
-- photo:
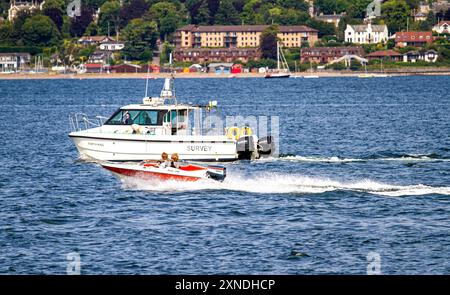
(146, 118)
(140, 117)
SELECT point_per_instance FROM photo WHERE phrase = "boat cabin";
(156, 120)
(159, 116)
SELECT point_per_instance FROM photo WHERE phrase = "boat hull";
(137, 148)
(277, 76)
(187, 172)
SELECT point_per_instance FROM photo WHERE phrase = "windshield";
(140, 117)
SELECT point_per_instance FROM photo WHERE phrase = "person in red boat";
(174, 161)
(164, 162)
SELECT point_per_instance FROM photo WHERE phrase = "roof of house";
(329, 16)
(94, 38)
(14, 54)
(383, 53)
(114, 42)
(443, 22)
(245, 28)
(127, 65)
(363, 28)
(340, 48)
(93, 66)
(414, 36)
(224, 64)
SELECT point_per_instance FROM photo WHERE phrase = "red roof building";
(442, 27)
(417, 39)
(385, 54)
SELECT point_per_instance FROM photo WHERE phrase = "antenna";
(146, 82)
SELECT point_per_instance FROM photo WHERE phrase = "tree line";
(139, 23)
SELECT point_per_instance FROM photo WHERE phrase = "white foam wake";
(272, 183)
(335, 159)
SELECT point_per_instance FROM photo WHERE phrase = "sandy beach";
(392, 72)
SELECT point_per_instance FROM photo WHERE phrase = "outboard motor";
(246, 148)
(266, 146)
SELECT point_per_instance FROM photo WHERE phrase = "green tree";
(6, 36)
(17, 26)
(40, 30)
(325, 29)
(166, 50)
(109, 18)
(140, 39)
(292, 17)
(395, 13)
(198, 11)
(167, 17)
(331, 6)
(79, 24)
(54, 9)
(295, 4)
(268, 43)
(133, 9)
(227, 14)
(357, 8)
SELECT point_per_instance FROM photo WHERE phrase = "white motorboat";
(139, 132)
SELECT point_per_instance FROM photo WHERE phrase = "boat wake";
(272, 183)
(373, 158)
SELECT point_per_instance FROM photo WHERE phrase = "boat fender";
(246, 131)
(234, 132)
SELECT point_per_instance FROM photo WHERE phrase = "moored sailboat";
(282, 66)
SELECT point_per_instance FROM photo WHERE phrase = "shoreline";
(324, 74)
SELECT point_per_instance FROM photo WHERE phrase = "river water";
(363, 170)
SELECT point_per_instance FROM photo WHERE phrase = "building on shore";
(323, 55)
(220, 68)
(111, 45)
(17, 6)
(229, 43)
(330, 18)
(416, 39)
(13, 62)
(415, 56)
(388, 55)
(366, 34)
(442, 27)
(94, 40)
(202, 55)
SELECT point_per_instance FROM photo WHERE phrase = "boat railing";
(80, 121)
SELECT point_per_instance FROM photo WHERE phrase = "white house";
(23, 5)
(12, 62)
(414, 56)
(366, 34)
(111, 45)
(442, 27)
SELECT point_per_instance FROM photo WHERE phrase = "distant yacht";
(282, 66)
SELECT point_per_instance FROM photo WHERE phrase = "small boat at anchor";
(152, 170)
(282, 66)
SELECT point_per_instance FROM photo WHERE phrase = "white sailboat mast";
(278, 55)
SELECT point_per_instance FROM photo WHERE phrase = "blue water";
(364, 167)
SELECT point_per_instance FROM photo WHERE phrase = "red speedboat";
(151, 170)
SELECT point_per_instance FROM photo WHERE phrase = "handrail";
(81, 121)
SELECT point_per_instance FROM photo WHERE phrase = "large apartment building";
(229, 43)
